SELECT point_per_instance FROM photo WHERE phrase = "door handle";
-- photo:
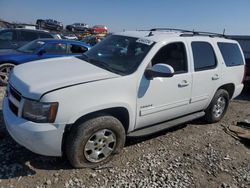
(183, 83)
(215, 77)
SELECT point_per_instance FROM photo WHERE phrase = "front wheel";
(94, 142)
(218, 106)
(5, 70)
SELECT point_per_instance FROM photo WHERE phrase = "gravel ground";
(192, 155)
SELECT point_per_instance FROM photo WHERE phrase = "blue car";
(36, 50)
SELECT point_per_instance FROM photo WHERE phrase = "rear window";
(231, 54)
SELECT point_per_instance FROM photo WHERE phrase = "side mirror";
(41, 52)
(159, 70)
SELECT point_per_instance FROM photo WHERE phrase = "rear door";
(206, 74)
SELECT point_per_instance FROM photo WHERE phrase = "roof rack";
(188, 33)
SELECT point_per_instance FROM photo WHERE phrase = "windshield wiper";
(104, 66)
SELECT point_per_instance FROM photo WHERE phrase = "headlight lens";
(40, 112)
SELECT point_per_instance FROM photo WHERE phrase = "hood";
(38, 77)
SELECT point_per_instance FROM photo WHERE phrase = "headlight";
(40, 112)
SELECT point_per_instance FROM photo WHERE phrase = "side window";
(173, 54)
(76, 49)
(204, 56)
(27, 36)
(231, 54)
(45, 35)
(55, 48)
(7, 36)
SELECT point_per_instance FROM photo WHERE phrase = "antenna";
(224, 31)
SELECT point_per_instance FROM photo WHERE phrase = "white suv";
(131, 84)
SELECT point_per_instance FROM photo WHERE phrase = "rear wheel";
(218, 106)
(95, 141)
(5, 70)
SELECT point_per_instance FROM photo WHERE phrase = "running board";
(165, 125)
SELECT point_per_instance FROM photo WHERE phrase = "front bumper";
(40, 138)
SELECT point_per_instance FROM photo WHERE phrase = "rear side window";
(45, 35)
(27, 36)
(204, 56)
(231, 54)
(76, 49)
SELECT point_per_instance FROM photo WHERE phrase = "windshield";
(118, 54)
(31, 47)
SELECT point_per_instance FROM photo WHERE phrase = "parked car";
(15, 38)
(98, 29)
(36, 50)
(49, 24)
(77, 27)
(70, 36)
(244, 42)
(130, 84)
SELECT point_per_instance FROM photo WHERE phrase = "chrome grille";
(14, 98)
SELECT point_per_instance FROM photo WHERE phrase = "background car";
(36, 50)
(77, 27)
(98, 29)
(49, 24)
(15, 38)
(70, 36)
(244, 42)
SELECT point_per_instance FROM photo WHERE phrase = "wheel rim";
(100, 145)
(4, 73)
(219, 107)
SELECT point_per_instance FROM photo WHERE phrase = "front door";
(162, 99)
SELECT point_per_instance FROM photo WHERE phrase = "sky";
(118, 15)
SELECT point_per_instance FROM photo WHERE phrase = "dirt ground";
(192, 155)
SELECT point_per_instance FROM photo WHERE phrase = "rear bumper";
(40, 138)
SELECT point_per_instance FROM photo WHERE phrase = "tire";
(218, 106)
(94, 142)
(5, 69)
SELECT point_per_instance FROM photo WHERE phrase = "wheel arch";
(230, 88)
(121, 113)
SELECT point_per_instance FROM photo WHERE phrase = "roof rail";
(169, 29)
(186, 33)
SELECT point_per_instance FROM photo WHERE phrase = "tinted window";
(231, 54)
(245, 45)
(204, 57)
(45, 35)
(27, 36)
(7, 35)
(173, 54)
(55, 48)
(76, 49)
